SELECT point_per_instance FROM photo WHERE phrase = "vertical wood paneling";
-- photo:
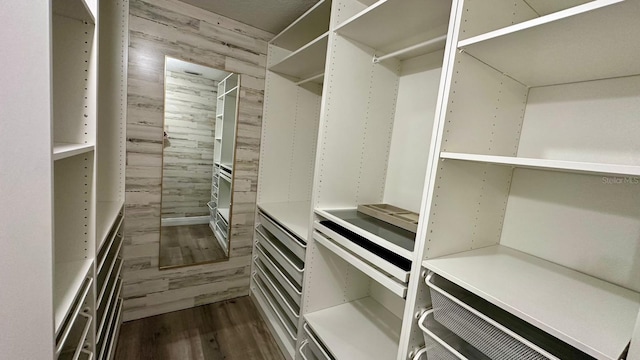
(170, 27)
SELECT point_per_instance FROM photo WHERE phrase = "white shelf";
(592, 315)
(227, 166)
(546, 164)
(309, 60)
(361, 329)
(64, 150)
(389, 25)
(106, 213)
(224, 212)
(312, 23)
(293, 216)
(587, 42)
(393, 247)
(68, 279)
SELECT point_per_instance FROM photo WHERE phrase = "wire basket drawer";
(509, 339)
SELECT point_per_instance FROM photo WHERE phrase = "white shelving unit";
(74, 91)
(529, 106)
(223, 158)
(295, 75)
(82, 107)
(535, 160)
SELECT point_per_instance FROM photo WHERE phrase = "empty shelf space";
(562, 302)
(547, 50)
(75, 9)
(293, 216)
(68, 280)
(312, 23)
(361, 329)
(547, 164)
(106, 214)
(224, 213)
(64, 150)
(390, 25)
(307, 61)
(390, 237)
(229, 167)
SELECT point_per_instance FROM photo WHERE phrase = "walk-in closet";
(320, 180)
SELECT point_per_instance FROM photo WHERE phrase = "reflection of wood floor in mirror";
(188, 244)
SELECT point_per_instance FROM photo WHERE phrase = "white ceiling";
(269, 15)
(204, 71)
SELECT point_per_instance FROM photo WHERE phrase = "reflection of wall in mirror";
(190, 110)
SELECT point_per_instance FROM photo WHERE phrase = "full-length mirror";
(200, 112)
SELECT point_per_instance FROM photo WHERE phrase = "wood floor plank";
(188, 245)
(229, 330)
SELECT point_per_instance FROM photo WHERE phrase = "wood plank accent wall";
(189, 120)
(170, 27)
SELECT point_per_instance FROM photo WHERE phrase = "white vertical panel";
(26, 231)
(290, 127)
(594, 121)
(356, 127)
(484, 111)
(112, 100)
(73, 214)
(481, 16)
(467, 208)
(386, 298)
(74, 63)
(334, 280)
(587, 223)
(410, 145)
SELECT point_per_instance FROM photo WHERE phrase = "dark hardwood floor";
(230, 330)
(188, 245)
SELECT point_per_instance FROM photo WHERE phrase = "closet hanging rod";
(309, 79)
(439, 41)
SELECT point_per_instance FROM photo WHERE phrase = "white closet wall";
(26, 212)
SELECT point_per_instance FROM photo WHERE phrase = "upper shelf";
(548, 164)
(600, 36)
(294, 216)
(590, 314)
(76, 9)
(310, 25)
(64, 150)
(391, 25)
(306, 61)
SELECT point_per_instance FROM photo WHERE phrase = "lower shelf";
(361, 329)
(562, 302)
(68, 279)
(274, 323)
